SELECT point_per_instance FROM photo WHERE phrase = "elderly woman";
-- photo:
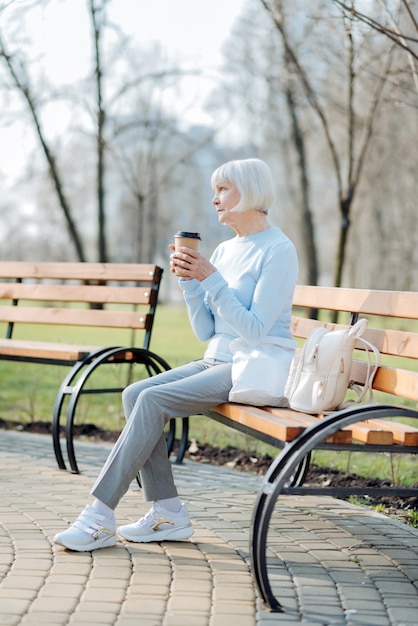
(244, 291)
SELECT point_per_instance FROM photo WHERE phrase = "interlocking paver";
(330, 562)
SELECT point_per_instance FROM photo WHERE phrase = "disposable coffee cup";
(189, 240)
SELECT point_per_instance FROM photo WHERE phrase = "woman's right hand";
(188, 263)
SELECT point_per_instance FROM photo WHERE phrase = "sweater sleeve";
(201, 317)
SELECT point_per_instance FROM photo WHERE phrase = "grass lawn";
(27, 393)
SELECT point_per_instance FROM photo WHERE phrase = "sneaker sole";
(106, 542)
(177, 534)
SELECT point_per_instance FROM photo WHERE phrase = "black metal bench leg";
(260, 523)
(171, 436)
(184, 441)
(59, 401)
(66, 389)
(284, 467)
(154, 364)
(75, 395)
(69, 430)
(298, 477)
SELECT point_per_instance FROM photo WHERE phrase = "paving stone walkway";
(332, 562)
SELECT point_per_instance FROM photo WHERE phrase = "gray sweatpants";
(149, 404)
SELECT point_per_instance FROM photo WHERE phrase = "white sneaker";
(90, 531)
(159, 525)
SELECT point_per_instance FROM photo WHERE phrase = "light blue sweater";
(249, 296)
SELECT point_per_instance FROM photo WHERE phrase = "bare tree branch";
(403, 42)
(371, 117)
(394, 35)
(22, 85)
(411, 15)
(274, 10)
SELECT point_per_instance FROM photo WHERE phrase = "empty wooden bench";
(102, 295)
(393, 329)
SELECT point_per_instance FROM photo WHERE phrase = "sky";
(190, 31)
(190, 28)
(185, 26)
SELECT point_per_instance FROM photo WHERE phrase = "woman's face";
(226, 198)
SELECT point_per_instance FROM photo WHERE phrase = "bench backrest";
(41, 293)
(392, 328)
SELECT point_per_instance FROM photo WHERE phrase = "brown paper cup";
(189, 240)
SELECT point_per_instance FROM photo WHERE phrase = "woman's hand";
(189, 263)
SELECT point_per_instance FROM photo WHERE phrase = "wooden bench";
(393, 329)
(102, 295)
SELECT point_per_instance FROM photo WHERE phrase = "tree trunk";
(100, 141)
(308, 232)
(345, 205)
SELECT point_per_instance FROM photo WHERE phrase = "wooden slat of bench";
(402, 433)
(393, 342)
(132, 272)
(21, 349)
(303, 326)
(286, 424)
(43, 350)
(305, 420)
(259, 420)
(76, 293)
(75, 317)
(364, 301)
(395, 381)
(372, 435)
(366, 432)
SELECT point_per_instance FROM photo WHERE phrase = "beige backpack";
(319, 376)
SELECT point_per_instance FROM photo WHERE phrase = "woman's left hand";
(189, 263)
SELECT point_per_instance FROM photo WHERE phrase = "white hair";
(252, 178)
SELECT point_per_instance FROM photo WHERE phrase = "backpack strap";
(371, 372)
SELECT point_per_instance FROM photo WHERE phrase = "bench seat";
(36, 351)
(283, 425)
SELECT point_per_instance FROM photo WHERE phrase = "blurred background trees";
(326, 92)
